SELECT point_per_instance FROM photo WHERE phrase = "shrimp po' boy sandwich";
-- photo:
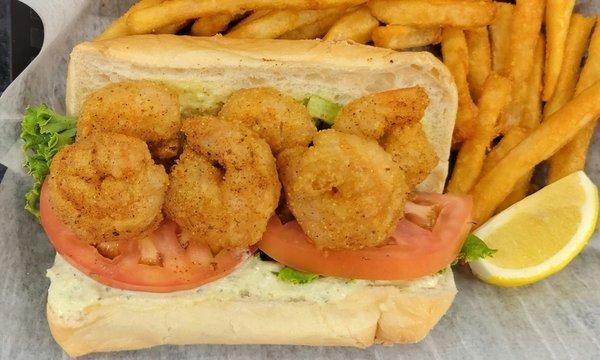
(215, 190)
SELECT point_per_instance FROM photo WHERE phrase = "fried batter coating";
(277, 118)
(224, 187)
(143, 109)
(393, 119)
(411, 151)
(106, 187)
(345, 190)
(373, 115)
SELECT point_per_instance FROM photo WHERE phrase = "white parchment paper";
(558, 318)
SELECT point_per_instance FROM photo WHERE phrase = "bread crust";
(379, 314)
(340, 71)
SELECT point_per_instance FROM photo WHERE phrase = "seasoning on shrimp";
(345, 191)
(411, 151)
(224, 187)
(279, 119)
(143, 109)
(106, 187)
(393, 119)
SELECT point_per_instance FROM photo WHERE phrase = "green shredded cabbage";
(43, 132)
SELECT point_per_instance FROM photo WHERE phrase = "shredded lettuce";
(295, 276)
(473, 249)
(322, 109)
(44, 133)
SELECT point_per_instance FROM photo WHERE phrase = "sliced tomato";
(412, 251)
(179, 269)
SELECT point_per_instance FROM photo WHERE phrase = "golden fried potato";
(143, 109)
(572, 157)
(345, 191)
(393, 119)
(144, 21)
(279, 119)
(106, 187)
(224, 187)
(400, 37)
(427, 13)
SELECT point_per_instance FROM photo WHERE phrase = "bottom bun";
(250, 306)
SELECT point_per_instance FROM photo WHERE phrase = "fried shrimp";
(345, 191)
(411, 151)
(106, 187)
(143, 109)
(279, 119)
(393, 119)
(224, 187)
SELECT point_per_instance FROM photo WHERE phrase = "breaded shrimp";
(345, 191)
(411, 151)
(224, 187)
(373, 115)
(106, 187)
(393, 119)
(279, 119)
(143, 109)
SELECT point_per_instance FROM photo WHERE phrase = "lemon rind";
(494, 274)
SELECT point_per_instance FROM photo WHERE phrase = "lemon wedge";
(539, 235)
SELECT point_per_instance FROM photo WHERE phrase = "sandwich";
(225, 191)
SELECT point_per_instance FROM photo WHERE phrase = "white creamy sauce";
(71, 291)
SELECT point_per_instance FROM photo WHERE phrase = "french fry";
(211, 25)
(277, 22)
(500, 36)
(495, 95)
(532, 108)
(147, 20)
(400, 37)
(532, 114)
(480, 59)
(427, 13)
(524, 31)
(591, 70)
(511, 139)
(315, 30)
(558, 16)
(356, 26)
(518, 192)
(456, 55)
(572, 157)
(556, 130)
(172, 28)
(577, 42)
(254, 15)
(119, 27)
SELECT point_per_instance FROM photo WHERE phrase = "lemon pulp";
(540, 234)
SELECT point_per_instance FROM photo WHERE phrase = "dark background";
(4, 44)
(21, 37)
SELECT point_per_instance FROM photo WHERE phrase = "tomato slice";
(412, 252)
(180, 268)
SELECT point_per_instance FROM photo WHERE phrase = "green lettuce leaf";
(321, 109)
(295, 276)
(44, 133)
(473, 249)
